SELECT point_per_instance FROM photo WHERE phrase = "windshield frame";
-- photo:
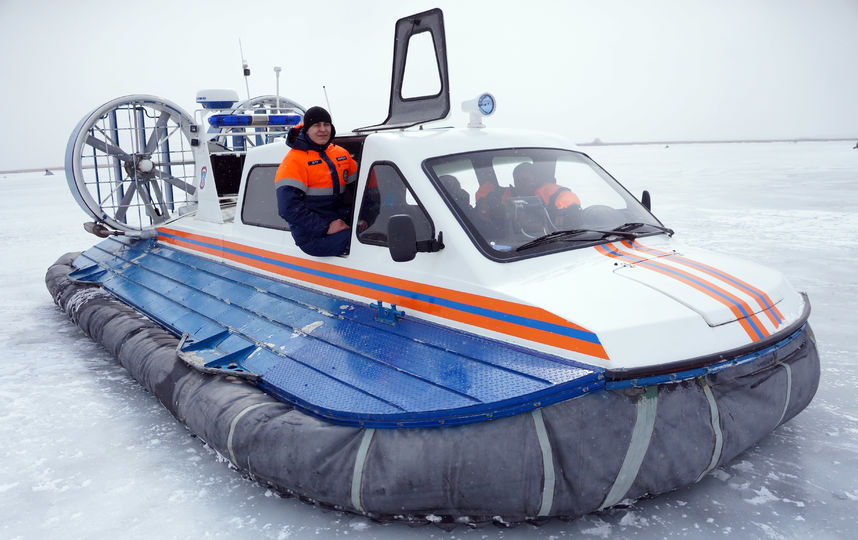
(511, 255)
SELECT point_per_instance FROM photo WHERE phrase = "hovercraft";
(475, 356)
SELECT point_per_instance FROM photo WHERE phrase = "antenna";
(244, 68)
(328, 103)
(277, 71)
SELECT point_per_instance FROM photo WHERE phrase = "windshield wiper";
(624, 231)
(627, 227)
(573, 235)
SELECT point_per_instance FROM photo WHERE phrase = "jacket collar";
(298, 139)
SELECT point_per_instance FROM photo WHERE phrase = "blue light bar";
(284, 119)
(238, 120)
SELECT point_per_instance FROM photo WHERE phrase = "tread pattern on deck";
(325, 355)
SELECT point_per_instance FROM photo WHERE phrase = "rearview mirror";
(646, 201)
(401, 238)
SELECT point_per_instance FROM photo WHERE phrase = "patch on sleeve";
(314, 162)
(342, 158)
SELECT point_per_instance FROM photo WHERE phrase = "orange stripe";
(530, 312)
(767, 305)
(688, 280)
(521, 310)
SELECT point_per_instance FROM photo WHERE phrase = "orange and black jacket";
(310, 185)
(553, 196)
(557, 197)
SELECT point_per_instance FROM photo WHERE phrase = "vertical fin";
(410, 111)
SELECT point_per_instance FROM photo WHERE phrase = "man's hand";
(336, 226)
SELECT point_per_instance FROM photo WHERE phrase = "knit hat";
(314, 115)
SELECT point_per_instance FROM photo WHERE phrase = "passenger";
(454, 188)
(461, 198)
(563, 205)
(489, 202)
(310, 185)
(561, 202)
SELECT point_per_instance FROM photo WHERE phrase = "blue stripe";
(722, 275)
(745, 288)
(679, 274)
(467, 308)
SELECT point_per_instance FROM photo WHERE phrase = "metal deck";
(345, 362)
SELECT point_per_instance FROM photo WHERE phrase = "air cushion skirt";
(562, 460)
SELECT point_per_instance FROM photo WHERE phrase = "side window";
(260, 202)
(387, 194)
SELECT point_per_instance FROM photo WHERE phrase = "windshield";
(514, 201)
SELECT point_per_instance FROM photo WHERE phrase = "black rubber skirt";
(564, 460)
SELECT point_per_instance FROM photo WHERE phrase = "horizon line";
(598, 142)
(594, 142)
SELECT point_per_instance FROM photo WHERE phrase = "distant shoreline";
(595, 142)
(37, 169)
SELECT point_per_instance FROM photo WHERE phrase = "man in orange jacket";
(310, 186)
(555, 197)
(561, 202)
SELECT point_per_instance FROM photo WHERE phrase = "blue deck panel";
(327, 355)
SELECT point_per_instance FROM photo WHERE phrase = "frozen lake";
(87, 453)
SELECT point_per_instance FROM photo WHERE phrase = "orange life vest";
(558, 197)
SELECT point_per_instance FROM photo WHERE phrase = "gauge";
(486, 103)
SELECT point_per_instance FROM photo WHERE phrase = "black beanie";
(314, 115)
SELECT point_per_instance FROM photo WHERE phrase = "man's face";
(320, 132)
(525, 182)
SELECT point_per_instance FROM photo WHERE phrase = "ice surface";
(87, 453)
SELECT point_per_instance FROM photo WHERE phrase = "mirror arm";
(431, 246)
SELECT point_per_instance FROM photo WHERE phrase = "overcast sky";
(620, 71)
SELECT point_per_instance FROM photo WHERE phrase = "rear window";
(260, 200)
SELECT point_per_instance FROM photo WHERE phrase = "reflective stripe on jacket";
(311, 168)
